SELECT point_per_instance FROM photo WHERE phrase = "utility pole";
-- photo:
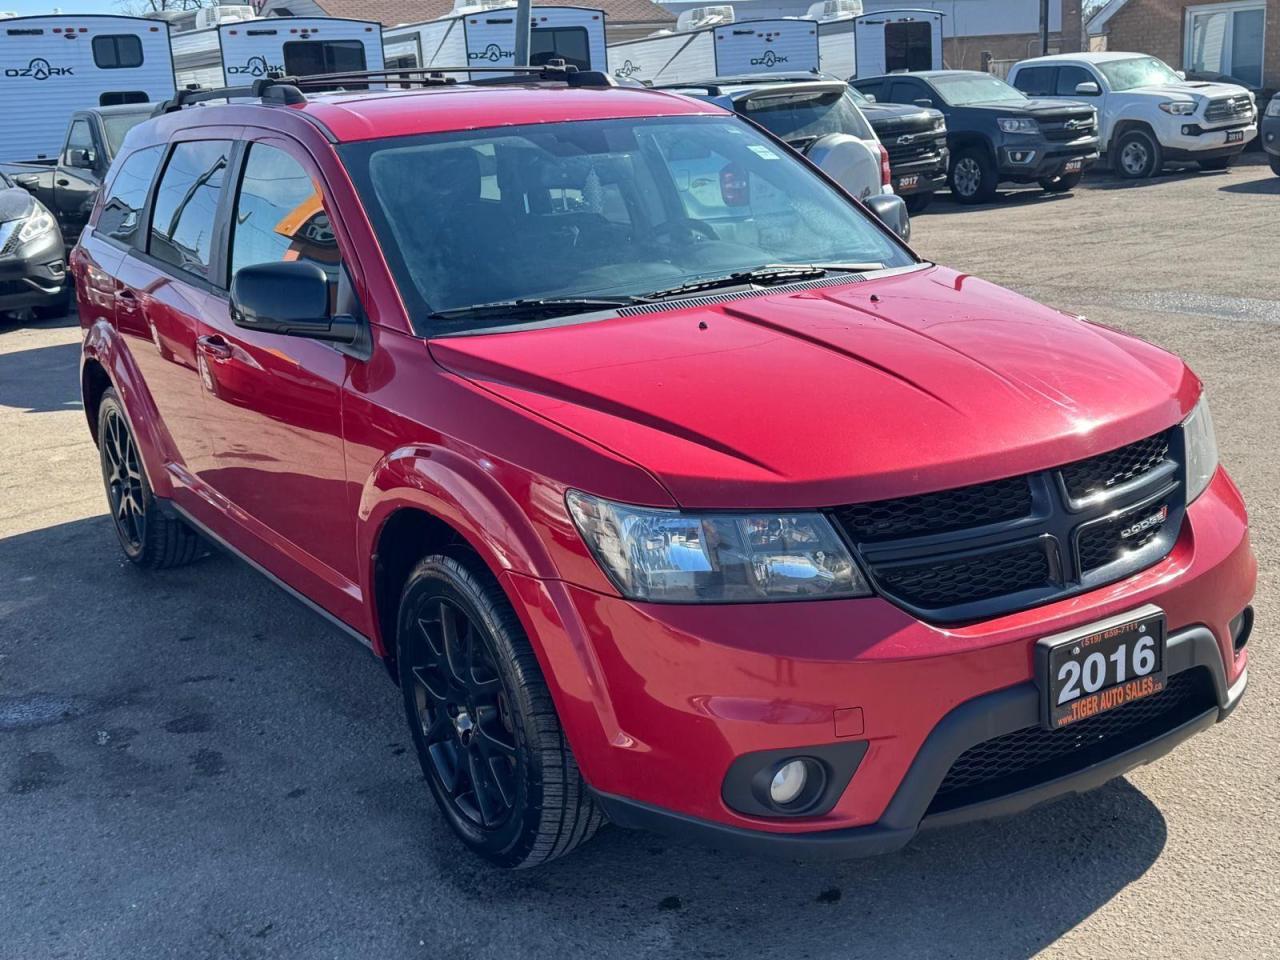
(1044, 27)
(523, 17)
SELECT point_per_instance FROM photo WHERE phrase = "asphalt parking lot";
(194, 766)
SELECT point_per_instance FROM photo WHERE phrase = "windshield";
(1138, 72)
(591, 209)
(808, 115)
(117, 125)
(962, 89)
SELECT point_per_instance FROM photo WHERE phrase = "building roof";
(1097, 24)
(392, 12)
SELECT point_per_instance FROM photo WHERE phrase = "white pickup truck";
(1147, 113)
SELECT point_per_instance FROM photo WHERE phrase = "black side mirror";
(80, 159)
(288, 297)
(891, 210)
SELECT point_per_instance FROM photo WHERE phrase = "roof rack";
(285, 91)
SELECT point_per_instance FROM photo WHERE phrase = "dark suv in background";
(916, 138)
(995, 132)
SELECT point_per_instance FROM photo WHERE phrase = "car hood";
(826, 396)
(1192, 88)
(15, 204)
(1035, 108)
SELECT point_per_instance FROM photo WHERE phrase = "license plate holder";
(1073, 166)
(1101, 666)
(1235, 136)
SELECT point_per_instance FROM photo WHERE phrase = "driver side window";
(80, 137)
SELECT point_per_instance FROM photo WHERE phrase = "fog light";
(788, 782)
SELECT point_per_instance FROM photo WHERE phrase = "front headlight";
(39, 223)
(1179, 108)
(1018, 125)
(1273, 108)
(667, 556)
(1202, 449)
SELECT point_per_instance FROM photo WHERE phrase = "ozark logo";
(493, 53)
(770, 59)
(1144, 524)
(627, 69)
(255, 67)
(39, 69)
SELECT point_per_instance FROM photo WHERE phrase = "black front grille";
(1229, 108)
(1068, 128)
(978, 551)
(1034, 755)
(917, 148)
(1085, 478)
(948, 582)
(943, 512)
(12, 288)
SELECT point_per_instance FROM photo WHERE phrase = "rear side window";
(122, 211)
(117, 50)
(1071, 77)
(560, 43)
(1036, 81)
(186, 205)
(280, 215)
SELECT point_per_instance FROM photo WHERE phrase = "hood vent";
(711, 299)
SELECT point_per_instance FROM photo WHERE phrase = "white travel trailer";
(485, 36)
(885, 41)
(752, 47)
(236, 54)
(50, 67)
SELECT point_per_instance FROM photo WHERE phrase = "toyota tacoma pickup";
(709, 508)
(68, 184)
(1147, 113)
(996, 134)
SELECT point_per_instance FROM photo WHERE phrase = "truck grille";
(1034, 755)
(991, 548)
(1238, 107)
(1068, 128)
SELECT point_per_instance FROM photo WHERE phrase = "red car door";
(271, 420)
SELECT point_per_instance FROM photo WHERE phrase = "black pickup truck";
(68, 184)
(995, 132)
(916, 139)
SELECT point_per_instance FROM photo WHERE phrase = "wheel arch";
(968, 140)
(94, 382)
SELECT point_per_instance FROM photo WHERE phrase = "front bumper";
(1185, 138)
(659, 701)
(1040, 159)
(35, 276)
(925, 175)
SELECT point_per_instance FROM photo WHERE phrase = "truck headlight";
(667, 556)
(1273, 108)
(1201, 449)
(36, 225)
(1179, 108)
(1018, 125)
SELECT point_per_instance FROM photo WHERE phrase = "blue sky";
(28, 8)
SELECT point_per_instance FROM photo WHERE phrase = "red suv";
(670, 486)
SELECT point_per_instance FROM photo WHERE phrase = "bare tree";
(140, 8)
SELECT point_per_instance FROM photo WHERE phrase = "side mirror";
(871, 97)
(891, 210)
(923, 102)
(288, 297)
(1088, 89)
(80, 159)
(1182, 74)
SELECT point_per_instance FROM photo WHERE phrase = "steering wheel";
(692, 230)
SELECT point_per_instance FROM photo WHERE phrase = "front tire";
(147, 536)
(973, 176)
(1217, 163)
(1138, 155)
(1068, 181)
(487, 735)
(1275, 164)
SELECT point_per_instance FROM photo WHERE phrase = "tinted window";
(871, 88)
(1070, 77)
(598, 208)
(808, 116)
(186, 205)
(1035, 81)
(907, 91)
(560, 43)
(122, 210)
(280, 215)
(305, 58)
(115, 98)
(114, 51)
(908, 45)
(117, 125)
(80, 137)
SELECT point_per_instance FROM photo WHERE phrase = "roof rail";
(270, 89)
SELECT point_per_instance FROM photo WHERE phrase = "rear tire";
(487, 735)
(918, 202)
(147, 536)
(973, 176)
(1218, 163)
(1137, 155)
(1062, 184)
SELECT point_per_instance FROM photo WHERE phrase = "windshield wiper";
(531, 307)
(764, 276)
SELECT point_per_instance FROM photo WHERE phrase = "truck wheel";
(973, 176)
(1061, 184)
(1218, 163)
(918, 202)
(1275, 164)
(481, 717)
(1138, 155)
(148, 537)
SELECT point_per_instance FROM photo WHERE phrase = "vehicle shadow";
(41, 380)
(1267, 185)
(1007, 198)
(245, 749)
